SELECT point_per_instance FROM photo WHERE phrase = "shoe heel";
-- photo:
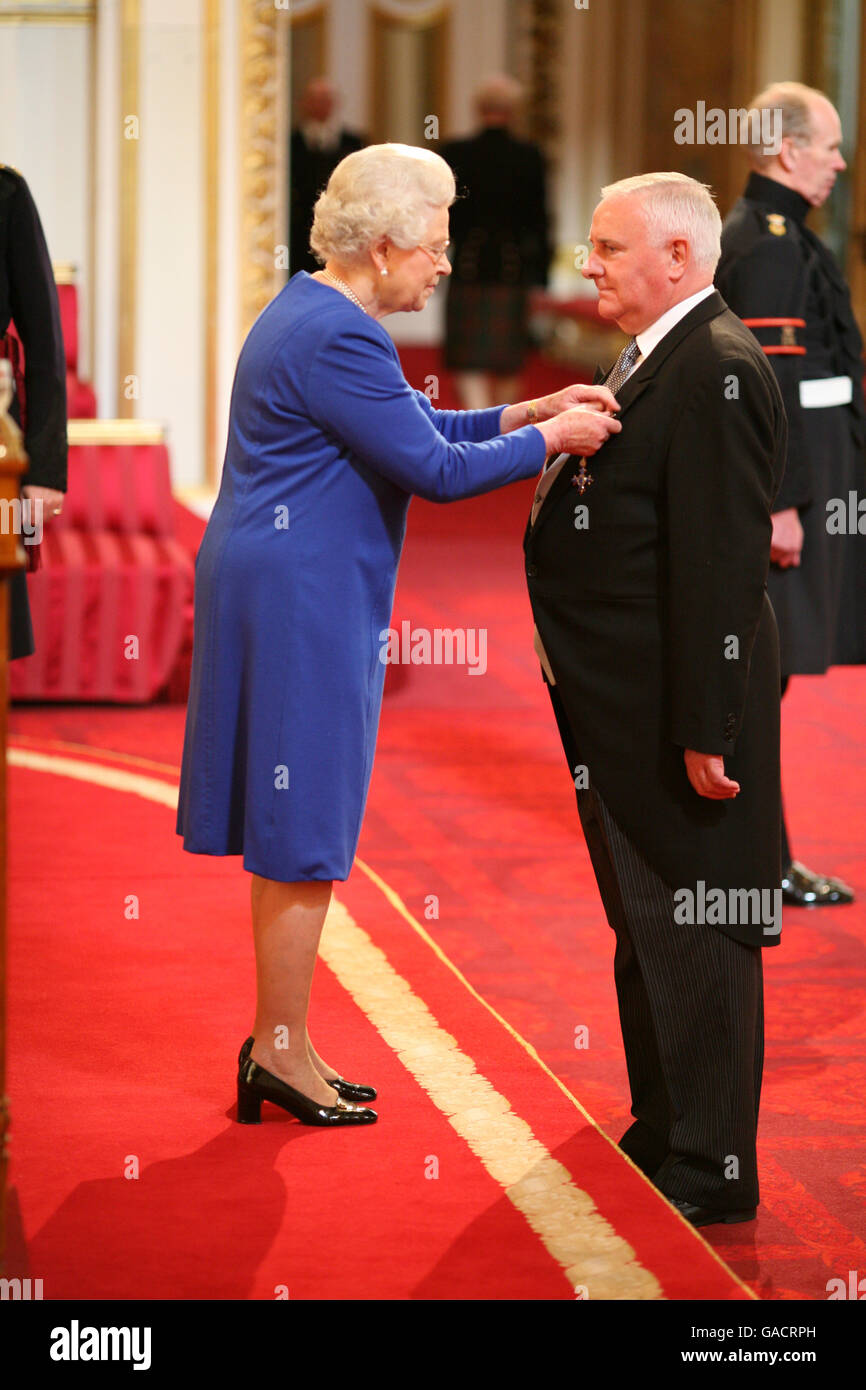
(249, 1106)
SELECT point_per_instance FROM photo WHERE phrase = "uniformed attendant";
(786, 285)
(28, 296)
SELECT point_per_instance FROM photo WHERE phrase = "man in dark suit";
(647, 578)
(318, 144)
(500, 232)
(784, 283)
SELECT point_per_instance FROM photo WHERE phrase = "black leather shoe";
(711, 1216)
(255, 1085)
(349, 1090)
(802, 888)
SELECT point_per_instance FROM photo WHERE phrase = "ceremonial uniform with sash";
(785, 284)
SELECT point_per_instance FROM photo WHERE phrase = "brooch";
(581, 480)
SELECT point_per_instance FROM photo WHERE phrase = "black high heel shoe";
(349, 1090)
(255, 1085)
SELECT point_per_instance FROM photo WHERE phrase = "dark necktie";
(622, 366)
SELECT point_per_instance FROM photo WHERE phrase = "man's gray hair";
(674, 205)
(793, 101)
(498, 94)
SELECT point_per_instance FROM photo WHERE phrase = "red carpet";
(124, 1029)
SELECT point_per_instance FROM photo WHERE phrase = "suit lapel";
(631, 391)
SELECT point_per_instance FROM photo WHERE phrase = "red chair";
(111, 601)
(80, 395)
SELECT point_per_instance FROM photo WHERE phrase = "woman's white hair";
(674, 205)
(381, 190)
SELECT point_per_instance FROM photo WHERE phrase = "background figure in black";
(28, 296)
(319, 142)
(500, 234)
(774, 267)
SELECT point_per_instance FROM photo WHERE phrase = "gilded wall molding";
(263, 155)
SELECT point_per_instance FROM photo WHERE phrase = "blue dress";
(295, 578)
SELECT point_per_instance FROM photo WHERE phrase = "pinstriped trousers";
(691, 1012)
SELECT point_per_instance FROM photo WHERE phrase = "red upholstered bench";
(112, 599)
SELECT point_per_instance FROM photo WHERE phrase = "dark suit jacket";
(28, 295)
(653, 611)
(499, 224)
(309, 172)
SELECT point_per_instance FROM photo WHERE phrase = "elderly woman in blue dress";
(295, 580)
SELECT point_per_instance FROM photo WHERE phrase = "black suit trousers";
(691, 1012)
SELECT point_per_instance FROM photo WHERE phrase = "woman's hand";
(594, 397)
(581, 430)
(546, 408)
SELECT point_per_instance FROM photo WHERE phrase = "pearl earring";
(384, 270)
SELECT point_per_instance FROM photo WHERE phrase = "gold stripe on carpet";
(587, 1248)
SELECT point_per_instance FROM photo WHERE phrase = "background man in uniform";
(785, 284)
(647, 575)
(28, 296)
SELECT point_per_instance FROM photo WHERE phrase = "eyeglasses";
(436, 253)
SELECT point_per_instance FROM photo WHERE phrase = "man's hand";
(706, 772)
(787, 542)
(51, 499)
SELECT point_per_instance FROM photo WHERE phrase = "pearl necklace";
(344, 289)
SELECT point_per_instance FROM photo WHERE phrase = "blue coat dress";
(295, 578)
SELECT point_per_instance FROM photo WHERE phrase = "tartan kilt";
(485, 328)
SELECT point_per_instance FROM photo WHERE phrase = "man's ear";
(787, 155)
(680, 257)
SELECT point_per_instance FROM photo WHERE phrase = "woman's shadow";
(195, 1227)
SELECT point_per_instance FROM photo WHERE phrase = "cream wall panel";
(478, 47)
(169, 359)
(347, 58)
(228, 215)
(46, 82)
(780, 43)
